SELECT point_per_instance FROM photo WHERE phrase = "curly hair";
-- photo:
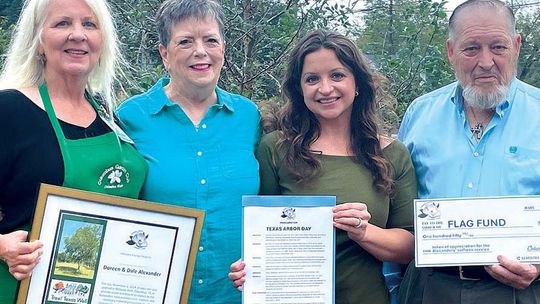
(299, 127)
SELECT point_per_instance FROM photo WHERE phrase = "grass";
(70, 269)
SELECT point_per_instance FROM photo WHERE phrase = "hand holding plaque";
(101, 249)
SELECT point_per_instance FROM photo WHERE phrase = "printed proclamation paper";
(288, 247)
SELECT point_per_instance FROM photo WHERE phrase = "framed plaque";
(106, 249)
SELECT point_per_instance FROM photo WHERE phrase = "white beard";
(479, 100)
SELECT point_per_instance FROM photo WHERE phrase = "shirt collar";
(224, 99)
(158, 100)
(457, 98)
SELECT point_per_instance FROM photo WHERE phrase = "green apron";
(102, 164)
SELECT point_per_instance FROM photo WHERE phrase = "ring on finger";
(360, 222)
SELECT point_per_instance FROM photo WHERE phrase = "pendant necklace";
(479, 126)
(478, 130)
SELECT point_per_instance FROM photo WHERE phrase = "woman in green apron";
(51, 129)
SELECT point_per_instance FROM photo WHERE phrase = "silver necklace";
(479, 126)
(477, 130)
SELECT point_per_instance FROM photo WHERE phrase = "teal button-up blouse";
(209, 167)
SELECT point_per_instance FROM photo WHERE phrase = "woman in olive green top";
(326, 143)
(51, 129)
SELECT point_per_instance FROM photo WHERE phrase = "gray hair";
(24, 66)
(496, 4)
(173, 11)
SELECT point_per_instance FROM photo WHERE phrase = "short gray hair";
(497, 4)
(173, 11)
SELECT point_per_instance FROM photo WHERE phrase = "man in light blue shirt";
(451, 162)
(479, 136)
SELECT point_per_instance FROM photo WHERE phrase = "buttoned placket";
(473, 171)
(200, 138)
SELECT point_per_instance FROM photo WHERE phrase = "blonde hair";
(22, 67)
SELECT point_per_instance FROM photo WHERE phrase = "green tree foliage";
(82, 247)
(62, 257)
(10, 9)
(136, 31)
(406, 41)
(259, 35)
(5, 36)
(528, 22)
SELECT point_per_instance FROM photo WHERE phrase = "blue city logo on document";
(139, 239)
(288, 213)
(430, 210)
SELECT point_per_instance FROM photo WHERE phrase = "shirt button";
(470, 185)
(476, 154)
(199, 153)
(203, 181)
(203, 126)
(201, 248)
(200, 281)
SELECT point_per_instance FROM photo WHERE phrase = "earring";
(41, 58)
(355, 93)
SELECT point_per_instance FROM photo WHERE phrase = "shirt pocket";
(238, 161)
(521, 171)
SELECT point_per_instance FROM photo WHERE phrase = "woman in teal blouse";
(198, 139)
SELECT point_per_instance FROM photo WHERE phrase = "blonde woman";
(52, 129)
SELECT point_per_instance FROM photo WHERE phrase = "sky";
(450, 4)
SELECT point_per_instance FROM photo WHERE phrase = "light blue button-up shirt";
(207, 167)
(449, 162)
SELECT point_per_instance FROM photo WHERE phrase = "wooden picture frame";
(100, 247)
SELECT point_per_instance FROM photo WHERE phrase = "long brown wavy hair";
(299, 127)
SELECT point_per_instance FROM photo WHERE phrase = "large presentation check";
(451, 232)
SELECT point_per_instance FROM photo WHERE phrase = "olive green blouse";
(359, 277)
